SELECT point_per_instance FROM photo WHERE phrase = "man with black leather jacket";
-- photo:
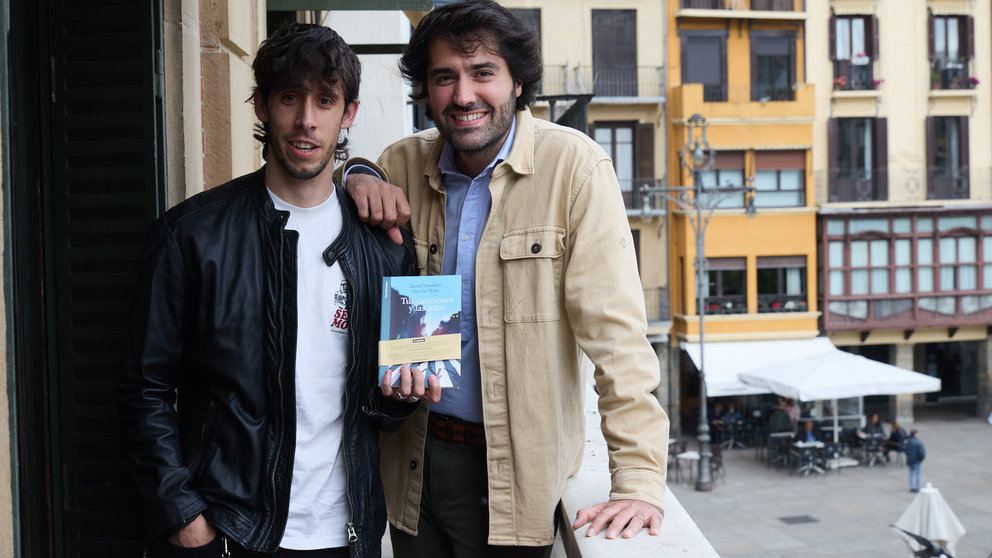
(257, 307)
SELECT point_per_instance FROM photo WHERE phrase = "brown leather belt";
(454, 429)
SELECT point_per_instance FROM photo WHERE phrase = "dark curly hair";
(468, 25)
(298, 54)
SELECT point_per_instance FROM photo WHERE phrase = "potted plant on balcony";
(840, 83)
(876, 82)
(973, 81)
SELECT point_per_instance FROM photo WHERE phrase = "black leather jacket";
(214, 315)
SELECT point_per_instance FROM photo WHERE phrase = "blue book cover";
(421, 326)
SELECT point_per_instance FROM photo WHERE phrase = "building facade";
(741, 66)
(604, 62)
(901, 161)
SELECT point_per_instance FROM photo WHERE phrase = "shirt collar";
(447, 162)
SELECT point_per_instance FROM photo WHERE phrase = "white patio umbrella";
(929, 516)
(828, 373)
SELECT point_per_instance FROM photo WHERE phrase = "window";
(704, 60)
(780, 178)
(952, 46)
(782, 284)
(858, 153)
(727, 280)
(631, 147)
(614, 53)
(617, 139)
(853, 48)
(900, 271)
(727, 171)
(772, 65)
(947, 158)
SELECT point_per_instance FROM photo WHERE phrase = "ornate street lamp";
(698, 157)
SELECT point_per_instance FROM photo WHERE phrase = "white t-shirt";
(318, 507)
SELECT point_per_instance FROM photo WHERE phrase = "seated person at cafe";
(806, 434)
(716, 422)
(874, 427)
(896, 437)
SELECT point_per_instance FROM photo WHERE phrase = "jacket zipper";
(350, 526)
(279, 371)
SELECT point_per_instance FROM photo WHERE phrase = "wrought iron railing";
(760, 5)
(641, 195)
(723, 93)
(604, 81)
(854, 77)
(657, 303)
(781, 303)
(951, 73)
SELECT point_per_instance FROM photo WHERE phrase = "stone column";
(984, 378)
(668, 386)
(903, 404)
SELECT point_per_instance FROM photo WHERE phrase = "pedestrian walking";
(915, 454)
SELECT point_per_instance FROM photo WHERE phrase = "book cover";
(421, 326)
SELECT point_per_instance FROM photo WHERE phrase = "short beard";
(502, 119)
(302, 174)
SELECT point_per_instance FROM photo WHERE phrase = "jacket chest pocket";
(532, 262)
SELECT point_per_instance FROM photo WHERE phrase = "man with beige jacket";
(530, 214)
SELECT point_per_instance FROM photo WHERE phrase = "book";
(421, 326)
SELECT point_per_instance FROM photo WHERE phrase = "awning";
(804, 369)
(837, 374)
(724, 361)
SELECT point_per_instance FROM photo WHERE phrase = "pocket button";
(535, 248)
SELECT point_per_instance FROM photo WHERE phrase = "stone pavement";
(851, 510)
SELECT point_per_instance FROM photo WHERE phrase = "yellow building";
(740, 65)
(902, 140)
(604, 71)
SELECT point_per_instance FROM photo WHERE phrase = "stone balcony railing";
(679, 534)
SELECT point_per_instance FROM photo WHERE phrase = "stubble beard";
(495, 133)
(301, 173)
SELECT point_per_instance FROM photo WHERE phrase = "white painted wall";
(384, 113)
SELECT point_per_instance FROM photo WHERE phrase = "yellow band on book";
(420, 349)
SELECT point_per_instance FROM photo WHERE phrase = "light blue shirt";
(465, 214)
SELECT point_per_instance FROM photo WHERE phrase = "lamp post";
(698, 157)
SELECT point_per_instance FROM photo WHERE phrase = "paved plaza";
(850, 511)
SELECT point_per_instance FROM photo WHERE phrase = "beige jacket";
(555, 273)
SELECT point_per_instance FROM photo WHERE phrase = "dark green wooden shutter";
(107, 185)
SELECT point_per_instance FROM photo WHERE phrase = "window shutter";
(970, 46)
(107, 186)
(832, 151)
(874, 38)
(645, 152)
(965, 161)
(832, 47)
(881, 152)
(931, 159)
(931, 47)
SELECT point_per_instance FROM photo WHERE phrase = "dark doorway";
(87, 179)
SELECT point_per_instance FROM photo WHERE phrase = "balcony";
(742, 101)
(770, 304)
(741, 5)
(951, 74)
(770, 10)
(857, 186)
(637, 197)
(854, 77)
(727, 304)
(615, 81)
(657, 303)
(948, 184)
